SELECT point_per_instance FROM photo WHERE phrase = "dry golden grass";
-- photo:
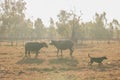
(13, 65)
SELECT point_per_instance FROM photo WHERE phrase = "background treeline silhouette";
(14, 25)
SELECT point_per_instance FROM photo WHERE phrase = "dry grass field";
(13, 65)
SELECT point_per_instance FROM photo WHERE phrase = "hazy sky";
(45, 9)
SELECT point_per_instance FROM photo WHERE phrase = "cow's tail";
(89, 56)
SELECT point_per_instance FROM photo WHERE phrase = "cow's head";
(51, 42)
(104, 57)
(45, 45)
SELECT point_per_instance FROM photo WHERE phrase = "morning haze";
(59, 40)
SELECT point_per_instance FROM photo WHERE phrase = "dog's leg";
(90, 63)
(100, 64)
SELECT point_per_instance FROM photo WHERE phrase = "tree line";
(15, 26)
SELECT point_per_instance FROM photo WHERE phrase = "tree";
(116, 28)
(100, 32)
(75, 26)
(63, 27)
(68, 25)
(40, 29)
(27, 29)
(52, 34)
(12, 17)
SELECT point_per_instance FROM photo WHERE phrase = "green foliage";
(14, 25)
(63, 28)
(12, 17)
(40, 30)
(115, 29)
(95, 30)
(68, 24)
(52, 34)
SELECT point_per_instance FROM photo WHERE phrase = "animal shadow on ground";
(67, 64)
(64, 61)
(30, 61)
(41, 69)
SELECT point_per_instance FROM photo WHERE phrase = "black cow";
(63, 45)
(34, 46)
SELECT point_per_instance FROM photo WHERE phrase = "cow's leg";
(61, 53)
(25, 53)
(36, 54)
(71, 51)
(57, 52)
(91, 62)
(29, 53)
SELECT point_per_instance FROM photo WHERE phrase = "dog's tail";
(89, 56)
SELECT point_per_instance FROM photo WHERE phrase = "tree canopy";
(14, 25)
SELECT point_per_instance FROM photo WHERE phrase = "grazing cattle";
(63, 45)
(34, 46)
